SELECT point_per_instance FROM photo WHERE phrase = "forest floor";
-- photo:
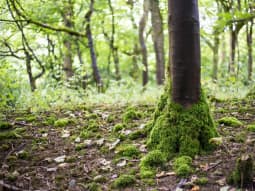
(89, 148)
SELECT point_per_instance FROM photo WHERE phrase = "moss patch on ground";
(150, 162)
(230, 121)
(128, 151)
(182, 166)
(124, 181)
(178, 130)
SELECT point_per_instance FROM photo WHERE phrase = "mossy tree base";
(178, 130)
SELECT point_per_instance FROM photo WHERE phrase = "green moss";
(93, 187)
(240, 137)
(137, 134)
(118, 127)
(230, 121)
(79, 147)
(178, 130)
(242, 175)
(150, 162)
(5, 125)
(93, 126)
(128, 151)
(153, 159)
(251, 127)
(12, 134)
(4, 147)
(201, 181)
(110, 119)
(124, 181)
(131, 115)
(182, 166)
(62, 122)
(31, 118)
(50, 120)
(85, 134)
(24, 155)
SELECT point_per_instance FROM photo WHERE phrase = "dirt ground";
(81, 150)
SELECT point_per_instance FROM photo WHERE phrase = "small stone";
(77, 140)
(114, 144)
(104, 162)
(65, 134)
(143, 149)
(141, 126)
(122, 163)
(225, 188)
(48, 159)
(88, 143)
(114, 176)
(126, 132)
(100, 142)
(52, 169)
(63, 165)
(45, 135)
(60, 159)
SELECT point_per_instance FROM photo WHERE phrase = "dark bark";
(93, 57)
(249, 32)
(29, 71)
(233, 42)
(158, 40)
(142, 25)
(68, 57)
(185, 51)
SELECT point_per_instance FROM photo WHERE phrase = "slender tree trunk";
(233, 41)
(215, 56)
(142, 25)
(185, 51)
(249, 33)
(113, 47)
(29, 71)
(96, 73)
(158, 40)
(134, 72)
(68, 57)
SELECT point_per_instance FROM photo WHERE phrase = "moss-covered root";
(179, 130)
(242, 176)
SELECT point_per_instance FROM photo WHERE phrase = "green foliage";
(182, 166)
(93, 187)
(124, 181)
(128, 151)
(230, 121)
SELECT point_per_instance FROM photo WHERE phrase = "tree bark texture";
(68, 57)
(142, 25)
(29, 71)
(158, 40)
(249, 33)
(96, 73)
(185, 51)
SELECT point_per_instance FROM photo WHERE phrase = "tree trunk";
(249, 32)
(158, 40)
(96, 73)
(215, 56)
(185, 51)
(29, 71)
(233, 41)
(142, 25)
(68, 57)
